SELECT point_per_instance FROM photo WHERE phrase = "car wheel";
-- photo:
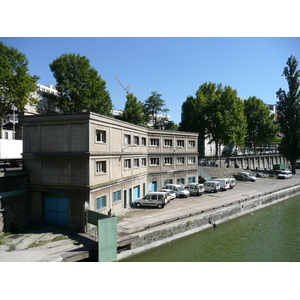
(160, 206)
(138, 204)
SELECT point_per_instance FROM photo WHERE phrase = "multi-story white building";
(43, 103)
(90, 159)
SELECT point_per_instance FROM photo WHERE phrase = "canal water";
(271, 234)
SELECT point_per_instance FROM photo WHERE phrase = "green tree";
(209, 95)
(16, 84)
(153, 107)
(261, 126)
(166, 124)
(288, 109)
(225, 119)
(216, 113)
(192, 116)
(231, 117)
(134, 111)
(79, 85)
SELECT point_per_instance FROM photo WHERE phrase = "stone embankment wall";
(158, 235)
(260, 162)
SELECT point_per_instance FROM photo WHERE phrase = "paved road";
(137, 219)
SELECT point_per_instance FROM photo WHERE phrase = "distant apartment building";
(89, 159)
(159, 117)
(44, 104)
(11, 127)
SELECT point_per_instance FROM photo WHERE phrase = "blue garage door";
(154, 186)
(136, 192)
(56, 211)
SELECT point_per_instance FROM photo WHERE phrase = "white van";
(224, 183)
(285, 174)
(211, 186)
(156, 199)
(195, 188)
(178, 189)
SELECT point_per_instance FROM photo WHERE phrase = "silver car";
(172, 194)
(156, 199)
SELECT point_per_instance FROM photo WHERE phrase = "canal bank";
(151, 228)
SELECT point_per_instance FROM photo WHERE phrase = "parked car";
(156, 199)
(195, 188)
(211, 186)
(172, 194)
(247, 176)
(231, 183)
(178, 189)
(224, 183)
(285, 175)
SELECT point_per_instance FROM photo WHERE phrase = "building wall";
(14, 201)
(106, 161)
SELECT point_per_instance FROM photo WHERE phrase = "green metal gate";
(107, 235)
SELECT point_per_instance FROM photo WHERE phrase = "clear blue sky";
(172, 66)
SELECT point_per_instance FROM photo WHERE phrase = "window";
(180, 181)
(180, 160)
(144, 141)
(180, 143)
(100, 167)
(192, 143)
(136, 162)
(127, 139)
(154, 142)
(100, 136)
(168, 181)
(168, 143)
(144, 162)
(168, 160)
(154, 161)
(192, 179)
(136, 140)
(116, 196)
(127, 163)
(192, 160)
(100, 202)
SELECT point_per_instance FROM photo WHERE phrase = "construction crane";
(127, 90)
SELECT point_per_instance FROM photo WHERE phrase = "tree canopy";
(153, 107)
(262, 128)
(16, 84)
(79, 85)
(217, 113)
(134, 111)
(288, 110)
(191, 117)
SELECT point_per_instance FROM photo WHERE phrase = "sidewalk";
(49, 244)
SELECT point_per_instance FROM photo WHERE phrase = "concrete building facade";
(89, 159)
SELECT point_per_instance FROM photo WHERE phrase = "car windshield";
(180, 189)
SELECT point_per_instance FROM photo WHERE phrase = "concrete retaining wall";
(259, 162)
(14, 204)
(166, 232)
